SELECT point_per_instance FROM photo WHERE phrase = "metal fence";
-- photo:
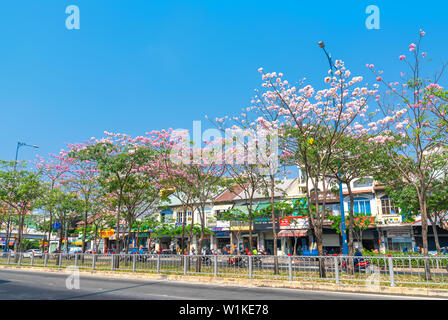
(367, 270)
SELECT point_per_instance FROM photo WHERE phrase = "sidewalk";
(304, 285)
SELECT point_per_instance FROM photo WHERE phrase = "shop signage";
(330, 197)
(107, 233)
(398, 234)
(222, 234)
(294, 223)
(265, 225)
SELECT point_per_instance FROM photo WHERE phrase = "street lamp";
(19, 145)
(341, 194)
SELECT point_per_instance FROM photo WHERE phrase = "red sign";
(286, 222)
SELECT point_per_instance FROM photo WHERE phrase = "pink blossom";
(412, 47)
(378, 78)
(402, 57)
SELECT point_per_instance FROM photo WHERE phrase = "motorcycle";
(206, 261)
(236, 261)
(359, 264)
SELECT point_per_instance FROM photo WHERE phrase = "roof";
(443, 215)
(228, 196)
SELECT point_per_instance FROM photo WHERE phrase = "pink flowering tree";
(203, 167)
(83, 178)
(128, 172)
(54, 170)
(416, 142)
(311, 123)
(247, 163)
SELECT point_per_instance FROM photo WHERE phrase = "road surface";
(18, 285)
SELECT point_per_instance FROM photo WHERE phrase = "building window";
(362, 183)
(388, 207)
(361, 205)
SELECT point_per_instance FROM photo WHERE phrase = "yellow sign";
(242, 228)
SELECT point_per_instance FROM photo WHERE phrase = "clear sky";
(138, 65)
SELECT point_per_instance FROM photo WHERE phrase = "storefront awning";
(222, 207)
(262, 206)
(292, 233)
(242, 208)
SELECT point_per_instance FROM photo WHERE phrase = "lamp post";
(19, 145)
(341, 194)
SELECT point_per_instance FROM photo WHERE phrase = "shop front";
(221, 237)
(264, 230)
(293, 234)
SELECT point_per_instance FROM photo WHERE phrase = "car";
(5, 254)
(90, 251)
(73, 250)
(167, 251)
(32, 252)
(109, 251)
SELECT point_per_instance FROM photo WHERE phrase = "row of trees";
(394, 131)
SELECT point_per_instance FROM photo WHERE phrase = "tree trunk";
(436, 234)
(250, 227)
(350, 265)
(351, 221)
(18, 243)
(319, 243)
(274, 231)
(424, 216)
(84, 234)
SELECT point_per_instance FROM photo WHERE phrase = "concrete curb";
(303, 285)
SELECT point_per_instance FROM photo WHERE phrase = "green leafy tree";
(20, 189)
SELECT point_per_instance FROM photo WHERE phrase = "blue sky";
(140, 65)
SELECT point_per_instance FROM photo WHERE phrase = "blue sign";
(222, 234)
(57, 225)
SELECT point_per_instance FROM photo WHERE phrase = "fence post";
(20, 259)
(76, 259)
(134, 261)
(290, 267)
(215, 265)
(185, 264)
(32, 258)
(158, 263)
(60, 260)
(336, 269)
(9, 257)
(93, 261)
(391, 271)
(250, 266)
(45, 259)
(112, 258)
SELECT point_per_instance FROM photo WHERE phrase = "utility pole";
(341, 194)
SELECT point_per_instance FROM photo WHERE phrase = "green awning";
(262, 206)
(242, 208)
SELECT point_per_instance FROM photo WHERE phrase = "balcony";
(386, 219)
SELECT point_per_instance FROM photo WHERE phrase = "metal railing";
(367, 270)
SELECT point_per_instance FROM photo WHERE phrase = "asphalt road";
(18, 285)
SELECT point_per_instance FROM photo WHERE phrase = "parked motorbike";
(236, 261)
(359, 264)
(206, 261)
